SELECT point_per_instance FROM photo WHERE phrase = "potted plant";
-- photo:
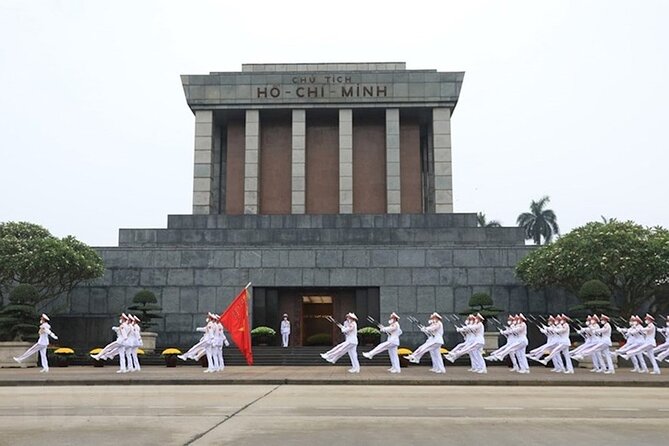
(369, 335)
(147, 304)
(262, 335)
(96, 362)
(18, 325)
(170, 355)
(63, 355)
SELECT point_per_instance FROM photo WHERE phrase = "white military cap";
(395, 315)
(435, 315)
(45, 317)
(352, 316)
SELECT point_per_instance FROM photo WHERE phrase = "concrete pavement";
(332, 415)
(314, 375)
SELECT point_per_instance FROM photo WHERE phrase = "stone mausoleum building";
(329, 186)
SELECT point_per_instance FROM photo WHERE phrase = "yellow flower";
(171, 351)
(95, 351)
(64, 351)
(443, 351)
(140, 351)
(403, 351)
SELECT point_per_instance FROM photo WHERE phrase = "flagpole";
(248, 285)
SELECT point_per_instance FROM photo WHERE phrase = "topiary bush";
(319, 339)
(147, 304)
(18, 319)
(482, 303)
(595, 297)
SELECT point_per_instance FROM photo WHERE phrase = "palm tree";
(539, 222)
(480, 218)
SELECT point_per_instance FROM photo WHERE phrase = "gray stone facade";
(421, 263)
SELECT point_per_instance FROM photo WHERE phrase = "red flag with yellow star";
(235, 319)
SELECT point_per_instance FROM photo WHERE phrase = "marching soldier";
(393, 331)
(219, 341)
(41, 344)
(435, 339)
(350, 345)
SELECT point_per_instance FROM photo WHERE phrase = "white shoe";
(182, 357)
(395, 371)
(121, 371)
(634, 370)
(367, 355)
(569, 372)
(643, 371)
(44, 371)
(353, 370)
(440, 372)
(609, 372)
(655, 372)
(594, 370)
(524, 372)
(483, 372)
(17, 359)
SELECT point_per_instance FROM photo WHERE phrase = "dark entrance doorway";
(316, 329)
(307, 307)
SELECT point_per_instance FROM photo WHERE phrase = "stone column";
(345, 161)
(203, 173)
(443, 176)
(251, 160)
(298, 162)
(393, 191)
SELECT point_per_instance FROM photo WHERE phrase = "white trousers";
(340, 350)
(34, 349)
(122, 358)
(284, 339)
(437, 359)
(392, 352)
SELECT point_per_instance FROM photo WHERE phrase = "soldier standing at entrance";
(285, 330)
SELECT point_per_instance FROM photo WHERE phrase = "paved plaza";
(316, 375)
(331, 415)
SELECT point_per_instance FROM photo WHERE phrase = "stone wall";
(414, 277)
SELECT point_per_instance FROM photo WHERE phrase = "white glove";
(227, 344)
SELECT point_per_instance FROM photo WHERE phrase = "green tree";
(29, 254)
(539, 222)
(482, 222)
(18, 319)
(632, 260)
(147, 304)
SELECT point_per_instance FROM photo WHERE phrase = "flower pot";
(171, 360)
(149, 341)
(62, 360)
(204, 362)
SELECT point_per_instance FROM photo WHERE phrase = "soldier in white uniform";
(41, 344)
(473, 343)
(393, 331)
(435, 339)
(285, 330)
(219, 341)
(662, 350)
(134, 342)
(203, 345)
(634, 338)
(646, 345)
(562, 344)
(350, 344)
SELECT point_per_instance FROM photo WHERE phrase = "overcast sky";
(561, 98)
